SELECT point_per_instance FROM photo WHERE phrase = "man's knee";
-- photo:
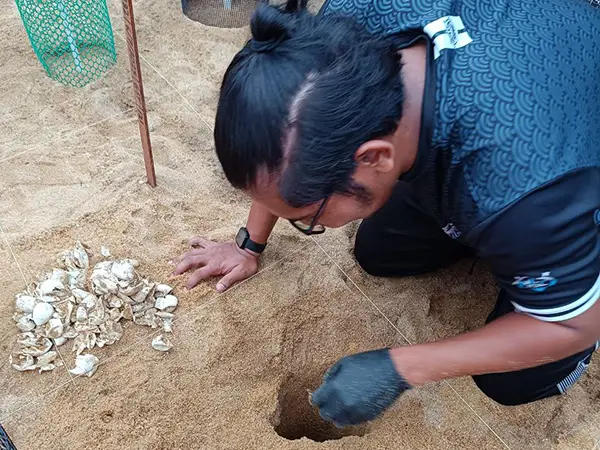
(537, 383)
(378, 259)
(503, 390)
(494, 386)
(366, 255)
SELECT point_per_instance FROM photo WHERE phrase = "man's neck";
(406, 137)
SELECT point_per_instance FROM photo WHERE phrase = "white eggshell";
(54, 328)
(25, 303)
(162, 289)
(85, 365)
(42, 313)
(166, 303)
(25, 324)
(161, 343)
(60, 341)
(123, 270)
(50, 286)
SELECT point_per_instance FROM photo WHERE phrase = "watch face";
(241, 237)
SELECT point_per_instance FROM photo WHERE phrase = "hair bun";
(271, 25)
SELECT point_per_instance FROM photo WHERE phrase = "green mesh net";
(73, 39)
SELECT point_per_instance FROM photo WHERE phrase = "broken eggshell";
(42, 313)
(162, 290)
(132, 289)
(60, 341)
(60, 275)
(114, 301)
(110, 332)
(104, 281)
(146, 318)
(46, 362)
(83, 296)
(70, 332)
(21, 362)
(127, 312)
(167, 303)
(74, 259)
(66, 306)
(85, 340)
(49, 298)
(25, 323)
(145, 292)
(123, 270)
(34, 345)
(25, 303)
(64, 309)
(161, 343)
(85, 365)
(54, 328)
(81, 314)
(50, 287)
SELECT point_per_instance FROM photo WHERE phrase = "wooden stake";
(138, 89)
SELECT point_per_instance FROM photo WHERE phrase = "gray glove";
(358, 388)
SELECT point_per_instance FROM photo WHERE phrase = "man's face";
(338, 209)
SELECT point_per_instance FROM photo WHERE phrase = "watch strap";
(254, 246)
(243, 241)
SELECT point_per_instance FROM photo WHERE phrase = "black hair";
(317, 87)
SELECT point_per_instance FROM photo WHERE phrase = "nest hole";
(220, 13)
(295, 418)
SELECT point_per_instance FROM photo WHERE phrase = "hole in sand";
(220, 13)
(295, 418)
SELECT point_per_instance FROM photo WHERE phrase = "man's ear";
(377, 154)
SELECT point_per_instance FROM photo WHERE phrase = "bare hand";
(210, 259)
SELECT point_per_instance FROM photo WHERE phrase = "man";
(452, 128)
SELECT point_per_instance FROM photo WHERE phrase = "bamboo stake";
(138, 89)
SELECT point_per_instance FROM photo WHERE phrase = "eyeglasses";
(314, 227)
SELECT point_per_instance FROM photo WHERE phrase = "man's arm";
(512, 342)
(360, 387)
(545, 253)
(260, 223)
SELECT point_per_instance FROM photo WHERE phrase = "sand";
(239, 374)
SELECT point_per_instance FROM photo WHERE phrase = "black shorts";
(401, 240)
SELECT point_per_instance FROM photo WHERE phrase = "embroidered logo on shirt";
(452, 231)
(452, 32)
(536, 284)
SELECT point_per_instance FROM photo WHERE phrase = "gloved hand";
(358, 388)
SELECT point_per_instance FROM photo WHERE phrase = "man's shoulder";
(518, 107)
(390, 17)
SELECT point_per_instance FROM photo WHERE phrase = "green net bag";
(73, 39)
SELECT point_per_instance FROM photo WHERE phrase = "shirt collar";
(424, 151)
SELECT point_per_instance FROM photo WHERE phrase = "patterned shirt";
(509, 154)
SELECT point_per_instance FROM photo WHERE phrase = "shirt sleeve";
(544, 250)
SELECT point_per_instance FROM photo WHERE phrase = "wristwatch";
(243, 241)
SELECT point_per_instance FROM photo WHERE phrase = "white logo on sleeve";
(452, 231)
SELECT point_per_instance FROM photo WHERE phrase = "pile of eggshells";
(64, 306)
